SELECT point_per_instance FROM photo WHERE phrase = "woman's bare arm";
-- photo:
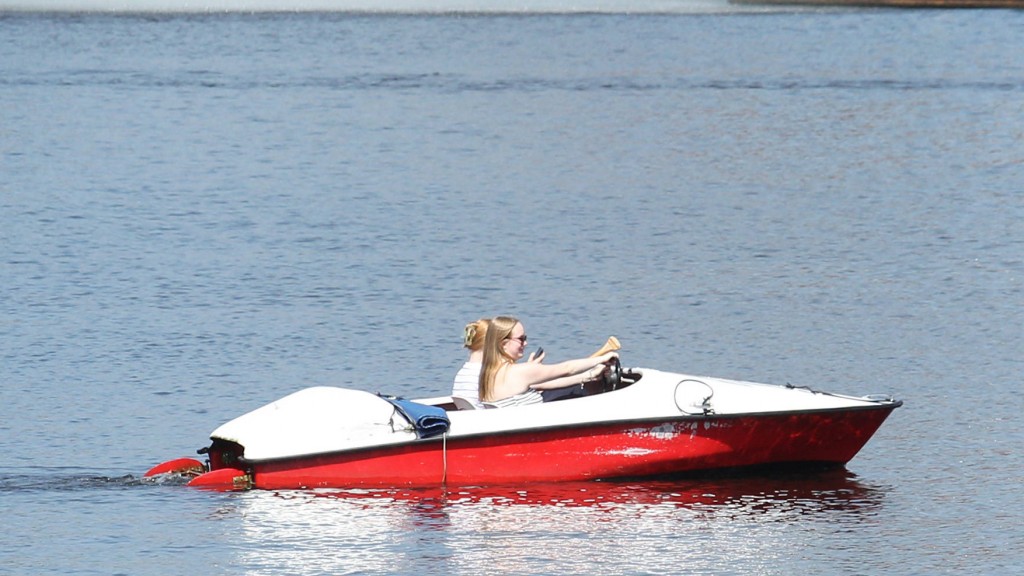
(566, 381)
(532, 375)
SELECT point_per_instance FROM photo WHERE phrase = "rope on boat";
(444, 459)
(808, 388)
(705, 404)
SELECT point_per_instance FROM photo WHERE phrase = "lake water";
(202, 213)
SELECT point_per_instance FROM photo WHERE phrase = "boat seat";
(462, 403)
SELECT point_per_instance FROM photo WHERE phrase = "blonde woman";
(505, 383)
(467, 379)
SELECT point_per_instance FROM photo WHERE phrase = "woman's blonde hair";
(474, 334)
(498, 330)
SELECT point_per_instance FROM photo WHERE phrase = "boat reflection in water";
(748, 523)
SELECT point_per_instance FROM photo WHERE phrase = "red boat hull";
(595, 451)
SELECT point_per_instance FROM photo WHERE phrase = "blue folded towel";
(429, 421)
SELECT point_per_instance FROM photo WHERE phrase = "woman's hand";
(599, 370)
(537, 356)
(594, 373)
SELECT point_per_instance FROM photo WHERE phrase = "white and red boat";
(637, 423)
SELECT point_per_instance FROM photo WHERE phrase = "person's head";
(505, 343)
(474, 335)
(506, 338)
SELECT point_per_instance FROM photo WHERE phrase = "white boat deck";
(328, 419)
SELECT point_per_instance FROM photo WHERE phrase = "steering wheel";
(612, 377)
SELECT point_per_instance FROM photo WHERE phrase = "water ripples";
(448, 83)
(200, 214)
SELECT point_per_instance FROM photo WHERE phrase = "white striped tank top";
(524, 399)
